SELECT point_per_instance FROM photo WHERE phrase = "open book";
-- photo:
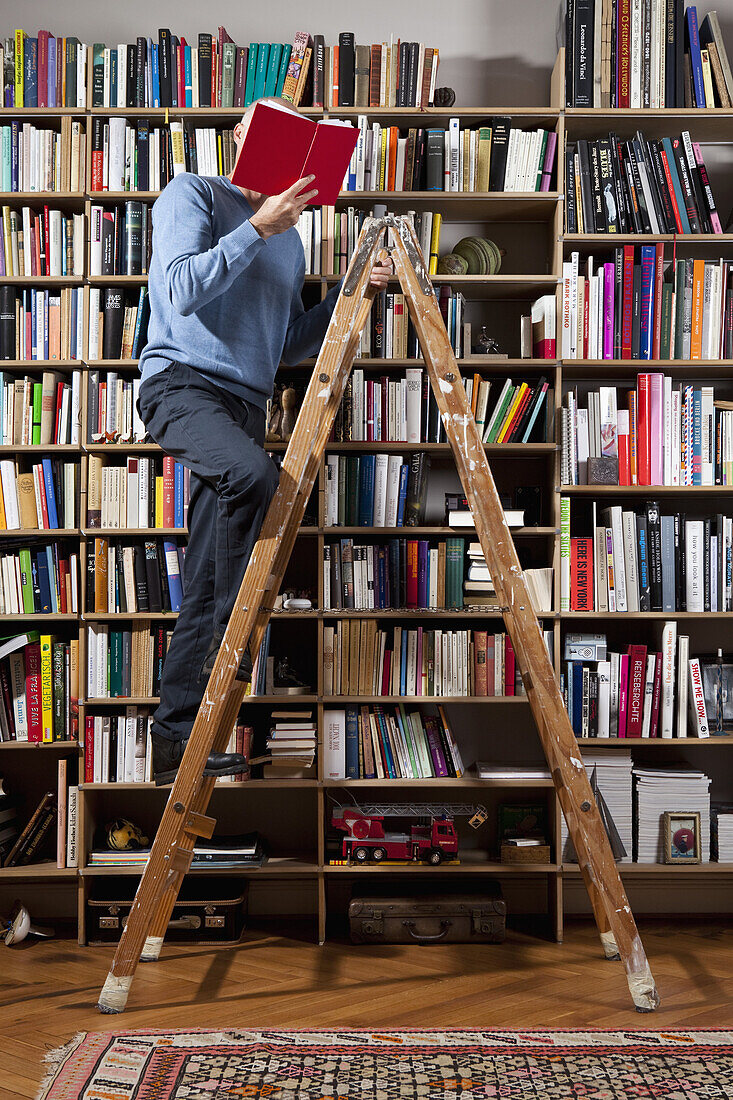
(281, 147)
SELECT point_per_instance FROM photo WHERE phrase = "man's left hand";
(381, 272)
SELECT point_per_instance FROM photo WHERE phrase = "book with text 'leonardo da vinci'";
(281, 147)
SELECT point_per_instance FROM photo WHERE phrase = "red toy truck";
(366, 838)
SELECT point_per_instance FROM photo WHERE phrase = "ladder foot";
(151, 949)
(113, 997)
(643, 991)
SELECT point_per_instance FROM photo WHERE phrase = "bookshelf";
(298, 851)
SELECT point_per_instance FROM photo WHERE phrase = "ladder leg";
(556, 733)
(170, 856)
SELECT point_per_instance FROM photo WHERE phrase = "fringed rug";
(362, 1065)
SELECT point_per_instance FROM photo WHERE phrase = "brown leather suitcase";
(429, 918)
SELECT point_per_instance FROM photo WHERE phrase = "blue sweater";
(223, 300)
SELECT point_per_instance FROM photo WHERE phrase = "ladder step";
(200, 825)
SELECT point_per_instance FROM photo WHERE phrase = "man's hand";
(281, 212)
(381, 271)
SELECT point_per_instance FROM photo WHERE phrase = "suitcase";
(430, 918)
(206, 921)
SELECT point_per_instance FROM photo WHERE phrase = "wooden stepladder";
(184, 819)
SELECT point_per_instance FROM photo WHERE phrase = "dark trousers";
(220, 438)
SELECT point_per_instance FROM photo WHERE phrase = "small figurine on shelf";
(289, 400)
(274, 416)
(485, 344)
(287, 682)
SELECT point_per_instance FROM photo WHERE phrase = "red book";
(623, 694)
(657, 324)
(47, 239)
(59, 399)
(624, 53)
(627, 301)
(375, 75)
(643, 420)
(412, 570)
(581, 574)
(637, 681)
(508, 666)
(63, 573)
(168, 491)
(386, 670)
(89, 748)
(281, 147)
(517, 418)
(480, 682)
(180, 58)
(42, 494)
(33, 691)
(656, 696)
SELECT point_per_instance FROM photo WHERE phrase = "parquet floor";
(48, 990)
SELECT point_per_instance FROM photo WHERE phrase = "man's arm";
(196, 270)
(307, 327)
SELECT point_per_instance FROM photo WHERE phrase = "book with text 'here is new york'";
(281, 147)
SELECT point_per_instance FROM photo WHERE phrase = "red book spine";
(643, 420)
(89, 748)
(36, 263)
(33, 691)
(633, 441)
(581, 574)
(659, 276)
(375, 72)
(412, 570)
(180, 58)
(586, 319)
(623, 695)
(42, 494)
(508, 666)
(213, 102)
(59, 400)
(386, 670)
(47, 239)
(168, 491)
(63, 573)
(656, 696)
(517, 418)
(637, 679)
(384, 389)
(480, 683)
(627, 301)
(624, 53)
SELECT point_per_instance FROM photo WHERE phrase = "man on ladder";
(225, 287)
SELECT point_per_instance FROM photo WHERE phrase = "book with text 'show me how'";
(281, 147)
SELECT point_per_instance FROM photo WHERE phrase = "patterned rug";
(371, 1065)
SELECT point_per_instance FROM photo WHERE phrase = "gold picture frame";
(682, 837)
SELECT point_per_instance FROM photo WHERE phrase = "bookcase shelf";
(621, 743)
(39, 448)
(543, 214)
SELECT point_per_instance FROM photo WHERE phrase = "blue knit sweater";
(222, 299)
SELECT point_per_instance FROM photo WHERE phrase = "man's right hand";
(281, 212)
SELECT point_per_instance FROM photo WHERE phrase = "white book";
(615, 687)
(72, 838)
(666, 705)
(574, 265)
(117, 153)
(380, 490)
(394, 465)
(566, 335)
(651, 664)
(433, 577)
(683, 656)
(10, 494)
(332, 477)
(698, 713)
(454, 145)
(604, 697)
(582, 445)
(413, 380)
(130, 744)
(630, 560)
(707, 469)
(619, 569)
(334, 744)
(694, 571)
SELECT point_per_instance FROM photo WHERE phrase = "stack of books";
(244, 850)
(106, 857)
(661, 790)
(614, 780)
(721, 832)
(478, 587)
(291, 746)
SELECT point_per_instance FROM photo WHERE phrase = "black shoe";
(167, 757)
(244, 672)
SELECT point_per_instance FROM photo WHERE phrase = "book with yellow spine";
(46, 687)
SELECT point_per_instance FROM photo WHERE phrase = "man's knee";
(252, 480)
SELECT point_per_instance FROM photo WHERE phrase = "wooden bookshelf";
(539, 214)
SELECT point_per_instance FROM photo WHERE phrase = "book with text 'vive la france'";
(281, 147)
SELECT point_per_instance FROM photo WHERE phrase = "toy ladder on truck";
(431, 841)
(184, 818)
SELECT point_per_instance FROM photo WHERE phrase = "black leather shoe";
(167, 757)
(244, 672)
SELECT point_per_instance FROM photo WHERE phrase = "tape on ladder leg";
(113, 997)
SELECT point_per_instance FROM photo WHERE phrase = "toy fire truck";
(432, 839)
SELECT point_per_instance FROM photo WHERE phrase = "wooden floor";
(48, 990)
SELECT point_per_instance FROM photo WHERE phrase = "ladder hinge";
(200, 825)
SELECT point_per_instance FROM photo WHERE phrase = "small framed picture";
(682, 838)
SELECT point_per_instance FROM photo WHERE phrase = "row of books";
(118, 323)
(37, 323)
(39, 702)
(329, 236)
(639, 186)
(376, 490)
(117, 747)
(646, 693)
(120, 239)
(47, 242)
(636, 306)
(631, 53)
(145, 492)
(38, 158)
(383, 74)
(401, 573)
(495, 157)
(666, 435)
(39, 579)
(361, 659)
(126, 662)
(42, 412)
(240, 740)
(43, 498)
(646, 561)
(125, 579)
(135, 155)
(112, 415)
(52, 825)
(389, 743)
(43, 70)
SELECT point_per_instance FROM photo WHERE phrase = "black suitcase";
(208, 920)
(430, 918)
